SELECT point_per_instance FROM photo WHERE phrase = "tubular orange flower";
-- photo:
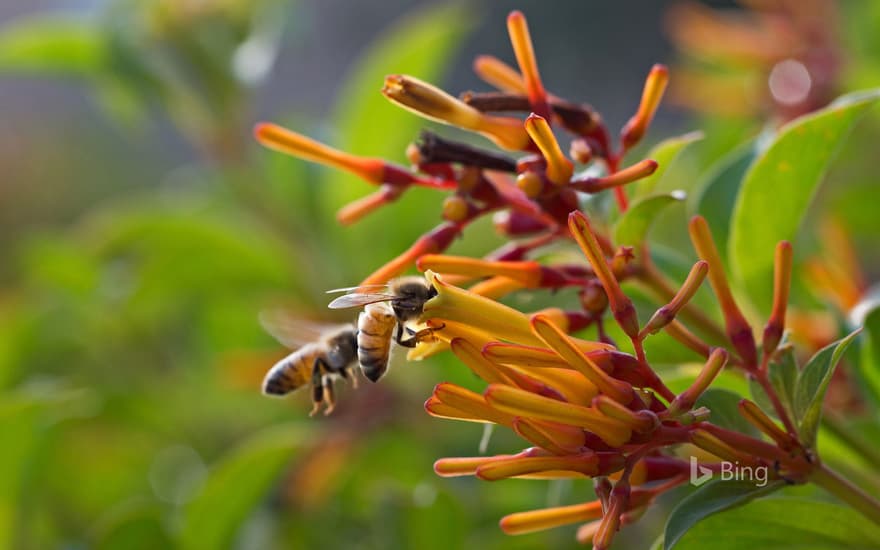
(621, 306)
(432, 103)
(561, 343)
(687, 398)
(667, 313)
(482, 367)
(781, 285)
(738, 329)
(637, 171)
(539, 520)
(655, 85)
(559, 168)
(499, 74)
(518, 30)
(471, 403)
(518, 402)
(757, 418)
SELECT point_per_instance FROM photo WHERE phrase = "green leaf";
(812, 383)
(633, 225)
(869, 360)
(235, 486)
(715, 496)
(666, 154)
(779, 187)
(724, 405)
(717, 193)
(52, 44)
(783, 522)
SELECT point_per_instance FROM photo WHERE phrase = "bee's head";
(410, 295)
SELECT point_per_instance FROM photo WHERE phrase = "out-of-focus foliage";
(130, 353)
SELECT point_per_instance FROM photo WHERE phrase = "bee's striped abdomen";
(291, 373)
(375, 327)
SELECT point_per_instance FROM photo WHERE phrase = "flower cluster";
(783, 57)
(585, 408)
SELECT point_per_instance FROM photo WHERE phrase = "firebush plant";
(585, 396)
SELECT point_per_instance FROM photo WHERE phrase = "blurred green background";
(143, 231)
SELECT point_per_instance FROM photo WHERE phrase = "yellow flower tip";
(470, 403)
(521, 40)
(499, 74)
(564, 345)
(686, 399)
(297, 145)
(781, 287)
(584, 464)
(559, 168)
(457, 209)
(637, 171)
(464, 466)
(530, 183)
(518, 402)
(621, 306)
(433, 103)
(548, 518)
(667, 313)
(652, 93)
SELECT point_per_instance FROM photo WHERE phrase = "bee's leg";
(330, 395)
(424, 335)
(354, 376)
(317, 387)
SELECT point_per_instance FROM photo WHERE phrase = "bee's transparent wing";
(295, 332)
(361, 288)
(358, 299)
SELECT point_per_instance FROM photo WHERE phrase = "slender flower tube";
(469, 402)
(621, 306)
(518, 402)
(667, 313)
(686, 399)
(781, 285)
(521, 41)
(561, 343)
(539, 520)
(482, 367)
(757, 418)
(559, 168)
(466, 466)
(637, 171)
(356, 210)
(436, 240)
(586, 464)
(432, 103)
(738, 329)
(652, 93)
(499, 74)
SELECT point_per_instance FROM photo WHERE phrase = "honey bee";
(323, 353)
(399, 302)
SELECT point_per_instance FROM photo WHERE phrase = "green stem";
(831, 481)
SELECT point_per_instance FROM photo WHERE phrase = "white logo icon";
(699, 474)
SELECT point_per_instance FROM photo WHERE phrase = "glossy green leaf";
(869, 360)
(51, 44)
(666, 153)
(716, 193)
(715, 496)
(235, 486)
(633, 225)
(812, 383)
(783, 522)
(725, 410)
(779, 187)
